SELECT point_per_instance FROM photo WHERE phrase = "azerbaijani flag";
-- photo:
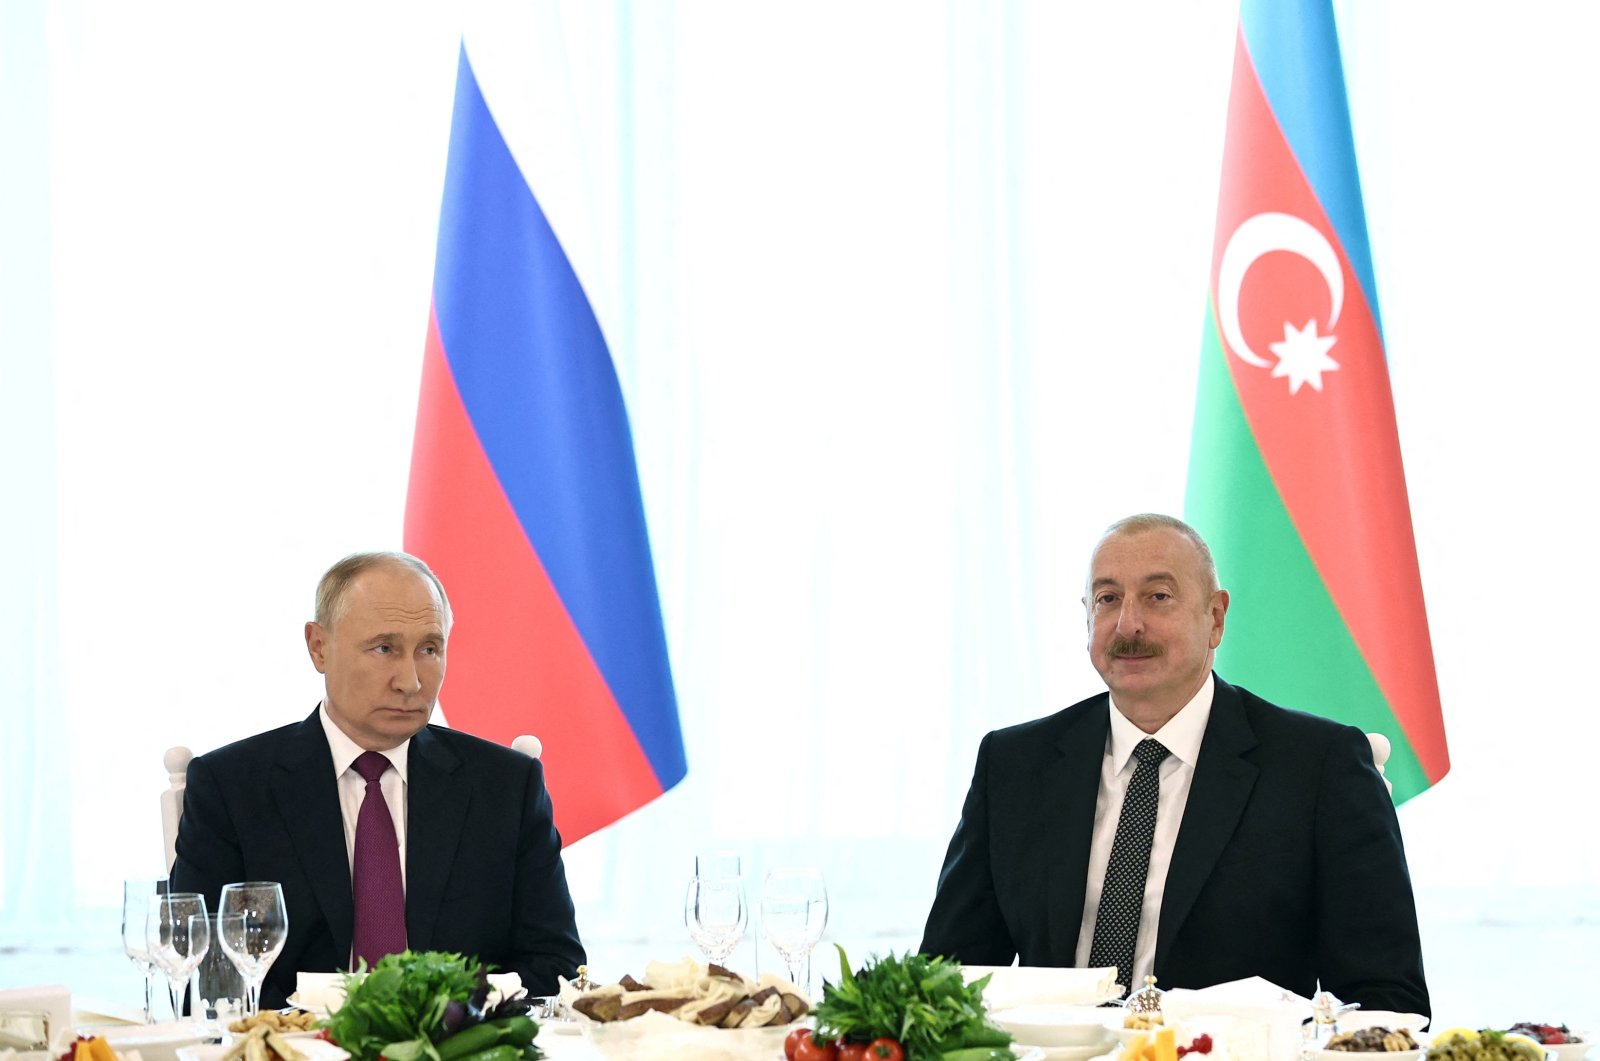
(1295, 476)
(524, 495)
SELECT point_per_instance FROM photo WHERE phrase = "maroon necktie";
(380, 896)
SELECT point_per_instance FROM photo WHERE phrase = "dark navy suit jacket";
(483, 859)
(1288, 863)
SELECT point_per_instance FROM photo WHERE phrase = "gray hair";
(335, 584)
(1146, 521)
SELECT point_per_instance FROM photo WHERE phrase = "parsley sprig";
(924, 1003)
(397, 1010)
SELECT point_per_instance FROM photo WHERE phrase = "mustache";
(1131, 646)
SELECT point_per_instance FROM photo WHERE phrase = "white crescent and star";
(1303, 354)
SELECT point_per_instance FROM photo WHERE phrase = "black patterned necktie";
(1116, 923)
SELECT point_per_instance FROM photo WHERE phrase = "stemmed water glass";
(714, 909)
(253, 939)
(179, 934)
(136, 896)
(794, 912)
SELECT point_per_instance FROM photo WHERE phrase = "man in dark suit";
(1275, 850)
(468, 846)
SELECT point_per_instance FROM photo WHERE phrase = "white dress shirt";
(1181, 736)
(353, 787)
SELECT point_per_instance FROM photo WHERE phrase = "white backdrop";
(906, 300)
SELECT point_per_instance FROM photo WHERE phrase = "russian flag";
(524, 495)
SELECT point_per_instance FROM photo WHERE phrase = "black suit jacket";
(1288, 863)
(483, 859)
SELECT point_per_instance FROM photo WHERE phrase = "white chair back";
(529, 745)
(176, 760)
(1380, 755)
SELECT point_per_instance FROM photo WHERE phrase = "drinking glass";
(718, 865)
(179, 934)
(136, 895)
(254, 942)
(715, 912)
(794, 911)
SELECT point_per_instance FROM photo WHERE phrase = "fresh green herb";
(399, 1009)
(925, 1003)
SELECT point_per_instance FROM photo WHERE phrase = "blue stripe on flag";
(1294, 45)
(537, 380)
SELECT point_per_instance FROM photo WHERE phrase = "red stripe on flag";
(1335, 453)
(520, 636)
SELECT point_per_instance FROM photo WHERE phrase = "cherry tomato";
(886, 1049)
(849, 1051)
(811, 1050)
(792, 1042)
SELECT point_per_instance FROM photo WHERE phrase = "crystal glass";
(136, 894)
(254, 941)
(179, 934)
(794, 912)
(714, 909)
(718, 865)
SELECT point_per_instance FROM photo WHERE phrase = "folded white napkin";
(1027, 985)
(1264, 1019)
(53, 1000)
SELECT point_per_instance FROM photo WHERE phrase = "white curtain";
(909, 308)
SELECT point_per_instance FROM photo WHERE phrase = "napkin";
(53, 1000)
(1027, 985)
(1263, 1020)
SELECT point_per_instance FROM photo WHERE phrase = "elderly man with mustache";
(1176, 825)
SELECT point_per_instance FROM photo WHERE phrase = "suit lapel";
(438, 798)
(307, 795)
(1068, 792)
(1223, 779)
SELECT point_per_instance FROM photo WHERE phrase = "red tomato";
(849, 1051)
(792, 1042)
(886, 1049)
(811, 1050)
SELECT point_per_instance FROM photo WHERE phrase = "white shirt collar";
(345, 751)
(1181, 736)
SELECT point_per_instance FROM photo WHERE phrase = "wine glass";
(717, 865)
(179, 934)
(253, 941)
(136, 895)
(714, 909)
(794, 911)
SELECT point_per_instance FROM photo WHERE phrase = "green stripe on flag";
(1284, 638)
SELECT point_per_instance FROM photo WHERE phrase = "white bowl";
(1369, 1055)
(1382, 1018)
(1572, 1051)
(1055, 1026)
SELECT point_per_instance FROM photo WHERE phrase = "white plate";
(1382, 1018)
(1369, 1055)
(1056, 1026)
(314, 1049)
(1064, 1053)
(294, 1000)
